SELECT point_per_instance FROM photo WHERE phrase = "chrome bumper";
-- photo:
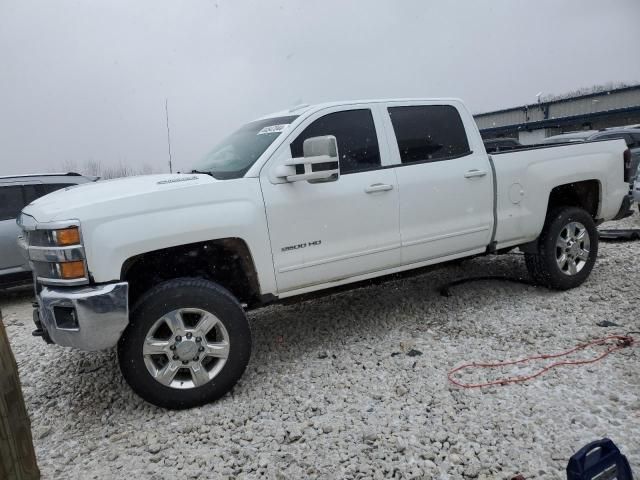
(88, 318)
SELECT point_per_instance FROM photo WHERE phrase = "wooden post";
(17, 457)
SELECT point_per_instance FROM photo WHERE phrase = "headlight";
(57, 255)
(61, 237)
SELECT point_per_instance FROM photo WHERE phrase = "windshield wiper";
(204, 173)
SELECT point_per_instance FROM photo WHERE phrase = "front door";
(331, 231)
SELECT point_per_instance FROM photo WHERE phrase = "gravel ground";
(355, 386)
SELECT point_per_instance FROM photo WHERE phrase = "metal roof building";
(534, 122)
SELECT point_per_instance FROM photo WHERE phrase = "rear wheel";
(187, 344)
(567, 249)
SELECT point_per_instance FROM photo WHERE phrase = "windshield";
(232, 157)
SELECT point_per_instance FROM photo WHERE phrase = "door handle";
(378, 187)
(475, 173)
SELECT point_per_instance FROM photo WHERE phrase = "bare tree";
(69, 166)
(586, 91)
(92, 167)
(97, 169)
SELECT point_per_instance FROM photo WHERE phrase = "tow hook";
(39, 331)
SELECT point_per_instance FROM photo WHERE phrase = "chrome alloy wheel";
(186, 348)
(572, 248)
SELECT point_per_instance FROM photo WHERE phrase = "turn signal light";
(68, 236)
(71, 270)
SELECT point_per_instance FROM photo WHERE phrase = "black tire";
(543, 265)
(174, 295)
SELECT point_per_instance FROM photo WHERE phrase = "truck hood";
(68, 203)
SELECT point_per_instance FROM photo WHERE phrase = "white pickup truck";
(165, 266)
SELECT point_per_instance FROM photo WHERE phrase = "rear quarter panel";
(525, 179)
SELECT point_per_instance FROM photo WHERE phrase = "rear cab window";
(428, 133)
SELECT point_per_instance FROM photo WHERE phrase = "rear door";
(446, 189)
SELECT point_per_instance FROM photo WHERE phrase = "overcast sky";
(87, 80)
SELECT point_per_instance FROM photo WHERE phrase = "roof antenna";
(166, 111)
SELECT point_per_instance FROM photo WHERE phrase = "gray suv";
(15, 193)
(630, 135)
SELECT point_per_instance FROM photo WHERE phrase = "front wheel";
(567, 249)
(187, 344)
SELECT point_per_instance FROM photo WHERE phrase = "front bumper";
(87, 318)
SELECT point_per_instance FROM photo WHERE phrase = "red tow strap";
(621, 341)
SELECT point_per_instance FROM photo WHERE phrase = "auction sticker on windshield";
(273, 129)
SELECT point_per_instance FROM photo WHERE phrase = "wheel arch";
(226, 261)
(585, 194)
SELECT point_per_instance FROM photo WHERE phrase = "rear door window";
(32, 192)
(429, 133)
(11, 202)
(46, 188)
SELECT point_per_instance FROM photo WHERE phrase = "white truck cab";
(164, 266)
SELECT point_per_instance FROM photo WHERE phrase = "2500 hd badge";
(315, 243)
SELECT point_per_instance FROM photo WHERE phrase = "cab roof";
(307, 108)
